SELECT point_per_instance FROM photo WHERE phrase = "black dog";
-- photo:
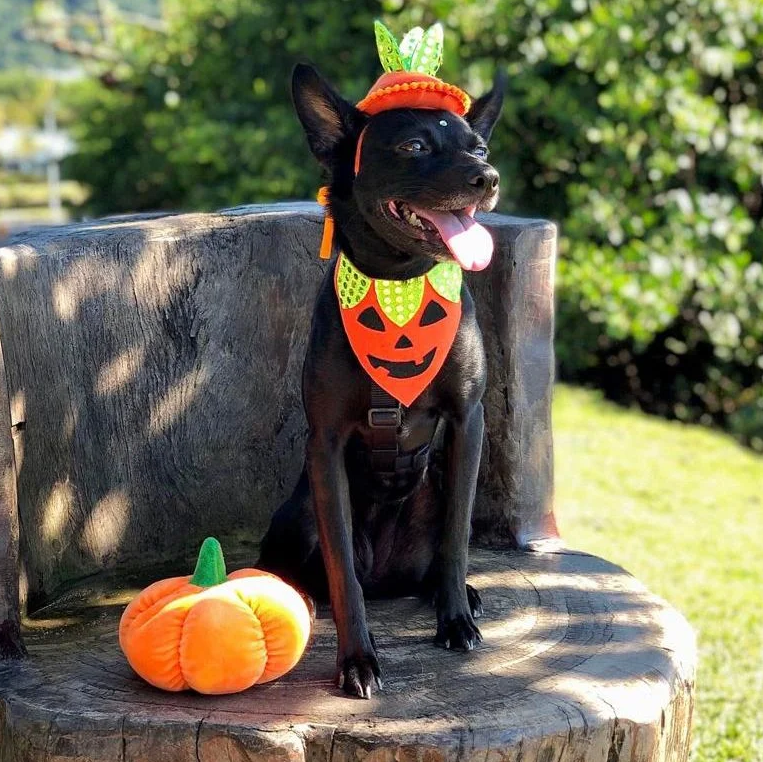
(349, 530)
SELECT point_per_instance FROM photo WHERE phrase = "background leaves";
(636, 124)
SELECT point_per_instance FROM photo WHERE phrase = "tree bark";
(154, 366)
(11, 644)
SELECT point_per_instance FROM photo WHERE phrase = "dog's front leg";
(457, 605)
(357, 665)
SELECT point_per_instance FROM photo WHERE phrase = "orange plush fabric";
(212, 632)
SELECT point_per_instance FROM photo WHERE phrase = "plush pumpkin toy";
(212, 632)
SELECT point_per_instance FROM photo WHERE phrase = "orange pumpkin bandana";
(400, 331)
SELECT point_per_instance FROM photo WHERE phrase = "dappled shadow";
(571, 642)
(153, 366)
(153, 369)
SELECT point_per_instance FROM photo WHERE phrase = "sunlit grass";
(681, 507)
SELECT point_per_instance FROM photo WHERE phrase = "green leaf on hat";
(389, 53)
(428, 54)
(408, 45)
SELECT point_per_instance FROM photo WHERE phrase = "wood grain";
(515, 303)
(153, 375)
(11, 644)
(579, 662)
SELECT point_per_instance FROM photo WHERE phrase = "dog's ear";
(326, 117)
(485, 111)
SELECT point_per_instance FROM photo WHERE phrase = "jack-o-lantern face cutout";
(400, 331)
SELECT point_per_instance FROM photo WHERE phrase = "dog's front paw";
(455, 621)
(459, 633)
(357, 674)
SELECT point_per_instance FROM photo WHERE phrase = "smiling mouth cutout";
(408, 369)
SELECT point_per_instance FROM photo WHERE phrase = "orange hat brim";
(414, 90)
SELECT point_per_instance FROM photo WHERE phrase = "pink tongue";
(469, 243)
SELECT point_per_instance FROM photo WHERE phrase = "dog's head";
(421, 175)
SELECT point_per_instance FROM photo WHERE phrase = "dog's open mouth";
(403, 369)
(468, 242)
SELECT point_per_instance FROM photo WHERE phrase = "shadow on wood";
(579, 662)
(153, 371)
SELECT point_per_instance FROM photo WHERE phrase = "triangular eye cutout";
(370, 319)
(433, 313)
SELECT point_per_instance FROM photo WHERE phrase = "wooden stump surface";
(579, 662)
(153, 377)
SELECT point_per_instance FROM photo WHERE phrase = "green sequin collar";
(399, 299)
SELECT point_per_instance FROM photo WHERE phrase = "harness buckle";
(385, 417)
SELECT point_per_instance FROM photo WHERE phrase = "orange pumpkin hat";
(408, 82)
(212, 632)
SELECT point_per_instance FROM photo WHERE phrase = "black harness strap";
(384, 418)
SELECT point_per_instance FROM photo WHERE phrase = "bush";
(202, 118)
(637, 124)
(641, 127)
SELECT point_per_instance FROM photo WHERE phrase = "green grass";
(681, 507)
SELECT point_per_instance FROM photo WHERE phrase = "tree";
(637, 124)
(204, 119)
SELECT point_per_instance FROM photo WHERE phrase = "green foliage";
(23, 97)
(637, 124)
(204, 117)
(17, 15)
(14, 51)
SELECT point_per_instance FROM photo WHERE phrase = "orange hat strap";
(358, 149)
(327, 241)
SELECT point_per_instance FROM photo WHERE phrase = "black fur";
(345, 531)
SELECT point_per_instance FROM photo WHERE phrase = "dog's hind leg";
(290, 546)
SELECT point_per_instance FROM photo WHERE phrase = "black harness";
(385, 416)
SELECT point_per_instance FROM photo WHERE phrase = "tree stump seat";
(150, 397)
(578, 662)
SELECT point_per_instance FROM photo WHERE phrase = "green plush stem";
(210, 568)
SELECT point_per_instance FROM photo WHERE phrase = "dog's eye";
(481, 151)
(413, 146)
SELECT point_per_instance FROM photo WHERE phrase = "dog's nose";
(486, 179)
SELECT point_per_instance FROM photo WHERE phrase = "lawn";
(681, 507)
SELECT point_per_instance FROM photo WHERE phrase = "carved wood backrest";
(151, 386)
